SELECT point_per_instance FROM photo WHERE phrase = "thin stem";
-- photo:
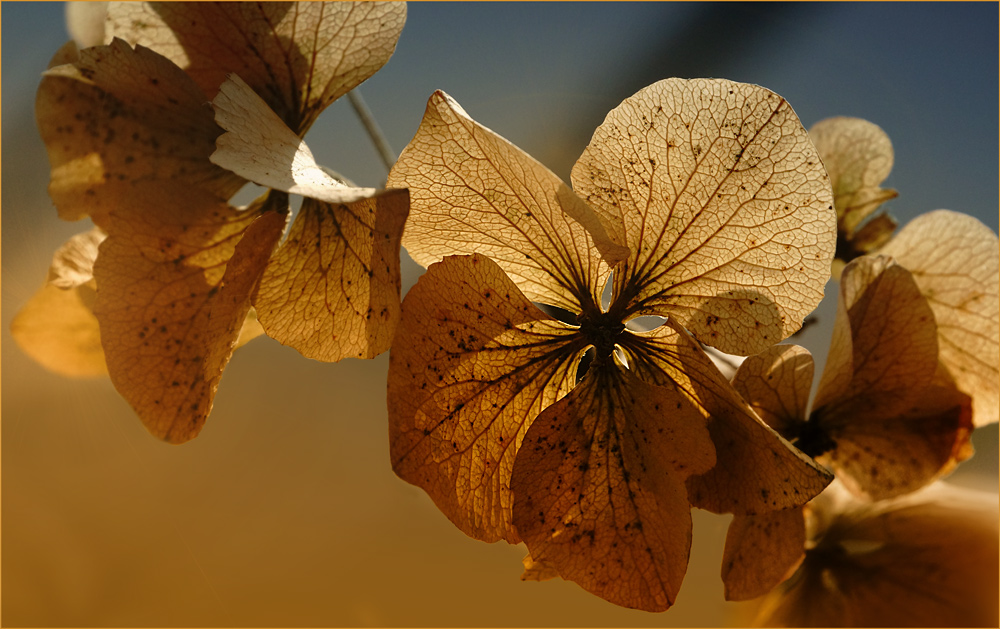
(371, 126)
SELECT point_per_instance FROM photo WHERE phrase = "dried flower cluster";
(704, 202)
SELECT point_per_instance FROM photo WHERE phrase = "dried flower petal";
(176, 277)
(473, 363)
(331, 290)
(726, 207)
(599, 487)
(955, 260)
(761, 552)
(472, 191)
(777, 383)
(299, 56)
(758, 471)
(858, 155)
(928, 559)
(118, 118)
(57, 326)
(258, 146)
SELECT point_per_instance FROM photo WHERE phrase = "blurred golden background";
(284, 511)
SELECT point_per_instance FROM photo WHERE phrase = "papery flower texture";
(704, 202)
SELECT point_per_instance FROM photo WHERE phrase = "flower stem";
(371, 126)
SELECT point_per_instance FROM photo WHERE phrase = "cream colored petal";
(472, 364)
(258, 146)
(472, 191)
(331, 290)
(777, 383)
(954, 260)
(858, 155)
(85, 22)
(118, 118)
(599, 487)
(73, 262)
(727, 209)
(299, 56)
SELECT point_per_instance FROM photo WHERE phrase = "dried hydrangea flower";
(710, 205)
(129, 133)
(889, 417)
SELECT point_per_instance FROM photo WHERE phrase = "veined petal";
(299, 56)
(472, 191)
(259, 146)
(331, 290)
(473, 362)
(176, 277)
(726, 205)
(879, 418)
(954, 260)
(599, 487)
(118, 118)
(757, 470)
(761, 552)
(858, 157)
(885, 339)
(777, 383)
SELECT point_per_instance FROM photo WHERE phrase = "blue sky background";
(285, 511)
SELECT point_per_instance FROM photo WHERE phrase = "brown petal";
(928, 559)
(777, 383)
(882, 456)
(472, 364)
(757, 471)
(887, 429)
(175, 281)
(954, 260)
(726, 205)
(299, 56)
(118, 118)
(884, 343)
(761, 552)
(599, 487)
(331, 290)
(472, 191)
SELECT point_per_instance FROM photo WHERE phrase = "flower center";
(601, 330)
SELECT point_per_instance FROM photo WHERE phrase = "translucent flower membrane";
(709, 203)
(906, 379)
(129, 133)
(927, 559)
(858, 156)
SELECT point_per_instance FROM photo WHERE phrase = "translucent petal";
(472, 191)
(954, 260)
(726, 207)
(473, 362)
